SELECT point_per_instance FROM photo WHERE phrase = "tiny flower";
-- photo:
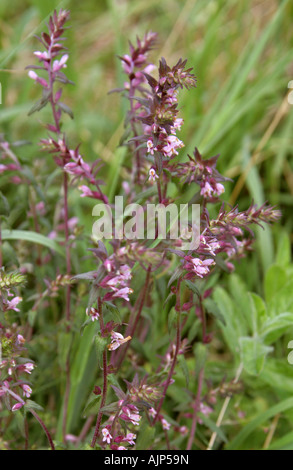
(117, 340)
(121, 448)
(11, 304)
(152, 412)
(165, 424)
(150, 147)
(33, 75)
(20, 339)
(60, 64)
(17, 406)
(123, 293)
(28, 367)
(130, 437)
(93, 313)
(130, 413)
(201, 268)
(27, 391)
(42, 55)
(153, 175)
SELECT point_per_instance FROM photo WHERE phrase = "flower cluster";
(161, 122)
(14, 388)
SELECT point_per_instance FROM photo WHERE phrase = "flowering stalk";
(52, 43)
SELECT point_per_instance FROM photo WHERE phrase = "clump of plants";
(120, 352)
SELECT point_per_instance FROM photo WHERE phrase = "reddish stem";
(44, 428)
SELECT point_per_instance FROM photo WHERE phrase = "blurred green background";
(242, 55)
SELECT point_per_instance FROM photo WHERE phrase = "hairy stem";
(44, 428)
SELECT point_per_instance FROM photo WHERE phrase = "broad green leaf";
(100, 344)
(273, 328)
(275, 278)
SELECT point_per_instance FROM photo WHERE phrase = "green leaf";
(192, 287)
(253, 353)
(275, 278)
(41, 103)
(284, 405)
(33, 237)
(100, 344)
(4, 205)
(92, 405)
(201, 354)
(273, 328)
(212, 308)
(146, 437)
(283, 257)
(32, 405)
(213, 427)
(66, 109)
(116, 317)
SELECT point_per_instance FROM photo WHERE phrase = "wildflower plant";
(130, 382)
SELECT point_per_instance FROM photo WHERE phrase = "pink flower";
(150, 147)
(17, 406)
(165, 424)
(130, 413)
(38, 79)
(93, 313)
(42, 55)
(27, 391)
(28, 367)
(201, 268)
(123, 293)
(60, 64)
(117, 340)
(11, 304)
(130, 437)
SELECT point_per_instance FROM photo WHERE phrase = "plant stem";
(44, 428)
